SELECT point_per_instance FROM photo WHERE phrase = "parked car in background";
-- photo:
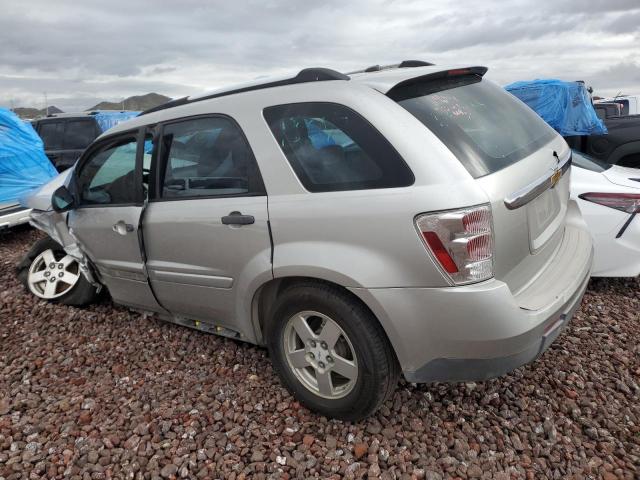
(418, 222)
(66, 135)
(620, 146)
(609, 198)
(629, 104)
(567, 107)
(13, 214)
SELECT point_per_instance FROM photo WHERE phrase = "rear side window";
(207, 157)
(51, 134)
(486, 127)
(330, 148)
(79, 134)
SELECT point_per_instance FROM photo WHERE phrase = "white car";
(609, 198)
(13, 214)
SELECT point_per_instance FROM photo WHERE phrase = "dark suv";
(65, 136)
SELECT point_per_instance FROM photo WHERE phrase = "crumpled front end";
(54, 224)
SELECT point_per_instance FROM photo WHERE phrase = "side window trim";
(155, 132)
(100, 145)
(160, 163)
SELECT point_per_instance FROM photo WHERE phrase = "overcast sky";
(81, 52)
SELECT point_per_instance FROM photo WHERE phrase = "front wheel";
(49, 273)
(330, 352)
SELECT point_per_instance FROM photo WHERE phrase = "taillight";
(625, 202)
(461, 242)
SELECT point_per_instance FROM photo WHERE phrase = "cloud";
(625, 23)
(622, 78)
(98, 50)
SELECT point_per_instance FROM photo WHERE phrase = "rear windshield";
(79, 134)
(486, 127)
(585, 161)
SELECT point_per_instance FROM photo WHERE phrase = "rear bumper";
(14, 216)
(466, 369)
(483, 330)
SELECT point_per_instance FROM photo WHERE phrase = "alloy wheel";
(320, 354)
(52, 274)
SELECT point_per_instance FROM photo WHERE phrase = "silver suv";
(410, 220)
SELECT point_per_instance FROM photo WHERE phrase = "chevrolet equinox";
(406, 220)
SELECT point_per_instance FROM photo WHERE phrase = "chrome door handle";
(236, 218)
(122, 228)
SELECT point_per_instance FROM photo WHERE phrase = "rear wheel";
(49, 273)
(331, 352)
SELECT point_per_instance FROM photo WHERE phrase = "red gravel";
(103, 392)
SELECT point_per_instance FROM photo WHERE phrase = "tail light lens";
(461, 242)
(625, 202)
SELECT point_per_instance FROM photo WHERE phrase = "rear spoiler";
(454, 72)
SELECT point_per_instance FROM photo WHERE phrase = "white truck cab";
(629, 104)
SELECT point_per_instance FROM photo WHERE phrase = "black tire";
(378, 369)
(82, 293)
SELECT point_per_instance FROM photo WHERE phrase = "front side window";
(79, 134)
(207, 157)
(108, 176)
(486, 127)
(51, 134)
(331, 148)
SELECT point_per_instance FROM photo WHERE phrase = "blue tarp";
(566, 106)
(23, 164)
(108, 119)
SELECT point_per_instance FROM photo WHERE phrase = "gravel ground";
(107, 393)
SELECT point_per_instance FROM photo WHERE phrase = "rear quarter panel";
(362, 238)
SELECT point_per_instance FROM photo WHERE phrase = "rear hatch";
(518, 160)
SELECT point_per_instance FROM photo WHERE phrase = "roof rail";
(304, 76)
(402, 64)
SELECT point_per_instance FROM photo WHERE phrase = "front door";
(206, 231)
(106, 222)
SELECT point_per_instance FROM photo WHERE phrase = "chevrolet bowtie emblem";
(555, 178)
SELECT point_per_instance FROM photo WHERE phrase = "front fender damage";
(55, 225)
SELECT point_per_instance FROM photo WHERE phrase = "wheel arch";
(266, 295)
(624, 150)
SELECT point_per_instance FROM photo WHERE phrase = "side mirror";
(62, 200)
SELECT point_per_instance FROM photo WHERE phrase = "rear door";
(109, 184)
(515, 156)
(206, 229)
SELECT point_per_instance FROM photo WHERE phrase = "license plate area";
(544, 215)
